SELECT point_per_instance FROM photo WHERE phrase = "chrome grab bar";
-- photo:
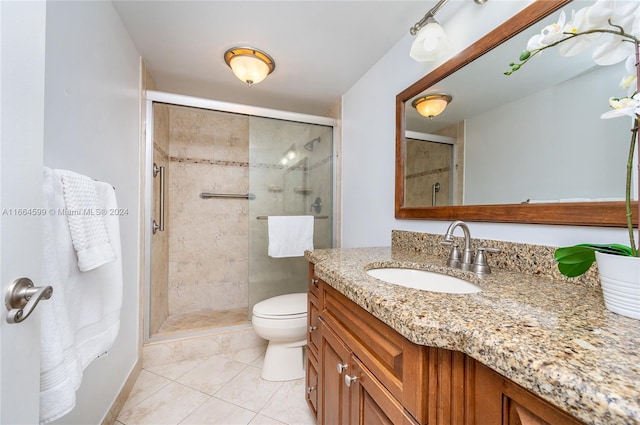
(159, 226)
(206, 195)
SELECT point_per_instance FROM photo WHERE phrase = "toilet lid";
(284, 306)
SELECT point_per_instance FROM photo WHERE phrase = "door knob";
(22, 297)
(341, 367)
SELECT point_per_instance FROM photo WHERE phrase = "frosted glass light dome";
(248, 64)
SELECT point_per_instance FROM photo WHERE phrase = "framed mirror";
(496, 153)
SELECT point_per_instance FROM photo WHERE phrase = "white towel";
(290, 236)
(82, 318)
(86, 216)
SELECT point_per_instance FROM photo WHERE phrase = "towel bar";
(319, 217)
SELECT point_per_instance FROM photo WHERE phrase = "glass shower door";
(290, 173)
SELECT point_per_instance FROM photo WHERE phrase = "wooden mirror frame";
(610, 214)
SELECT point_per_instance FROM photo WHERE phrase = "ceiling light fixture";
(431, 105)
(249, 64)
(431, 42)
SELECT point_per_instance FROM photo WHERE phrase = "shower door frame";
(153, 96)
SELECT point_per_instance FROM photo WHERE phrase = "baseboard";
(118, 404)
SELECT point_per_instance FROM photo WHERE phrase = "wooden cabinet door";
(313, 321)
(498, 401)
(333, 364)
(371, 403)
(521, 407)
(311, 379)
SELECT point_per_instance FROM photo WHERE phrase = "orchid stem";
(634, 138)
(632, 148)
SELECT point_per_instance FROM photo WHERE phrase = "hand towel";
(82, 318)
(290, 236)
(86, 216)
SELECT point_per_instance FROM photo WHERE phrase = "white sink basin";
(427, 281)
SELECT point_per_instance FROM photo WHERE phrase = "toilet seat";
(282, 307)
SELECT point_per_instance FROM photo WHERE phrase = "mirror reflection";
(532, 137)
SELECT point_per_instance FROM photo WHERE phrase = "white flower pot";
(620, 280)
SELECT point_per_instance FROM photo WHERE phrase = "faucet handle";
(454, 256)
(480, 264)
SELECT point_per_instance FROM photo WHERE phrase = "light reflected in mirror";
(532, 138)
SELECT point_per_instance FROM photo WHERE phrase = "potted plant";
(614, 28)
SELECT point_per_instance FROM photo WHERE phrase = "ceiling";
(321, 48)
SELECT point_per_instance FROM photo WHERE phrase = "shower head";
(309, 145)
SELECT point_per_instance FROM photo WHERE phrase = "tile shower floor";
(202, 320)
(221, 389)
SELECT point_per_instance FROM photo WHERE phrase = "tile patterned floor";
(220, 389)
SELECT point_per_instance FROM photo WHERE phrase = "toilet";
(282, 320)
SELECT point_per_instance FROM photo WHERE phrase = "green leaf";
(576, 260)
(574, 254)
(574, 270)
(613, 249)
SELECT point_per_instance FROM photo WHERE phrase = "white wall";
(369, 144)
(91, 127)
(594, 144)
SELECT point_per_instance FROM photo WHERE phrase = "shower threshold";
(201, 320)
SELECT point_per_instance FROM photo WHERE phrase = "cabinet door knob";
(310, 390)
(314, 282)
(348, 380)
(312, 328)
(341, 367)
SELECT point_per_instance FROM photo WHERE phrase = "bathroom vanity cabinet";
(360, 371)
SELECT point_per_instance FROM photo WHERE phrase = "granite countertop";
(554, 338)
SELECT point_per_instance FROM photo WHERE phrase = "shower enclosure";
(221, 170)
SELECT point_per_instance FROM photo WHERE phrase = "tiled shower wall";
(429, 162)
(426, 164)
(160, 245)
(208, 245)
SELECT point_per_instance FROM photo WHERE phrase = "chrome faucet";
(454, 260)
(467, 261)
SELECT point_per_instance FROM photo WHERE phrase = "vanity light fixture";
(431, 42)
(431, 104)
(249, 64)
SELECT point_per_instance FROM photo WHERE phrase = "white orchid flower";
(579, 24)
(549, 34)
(615, 48)
(629, 106)
(600, 12)
(629, 82)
